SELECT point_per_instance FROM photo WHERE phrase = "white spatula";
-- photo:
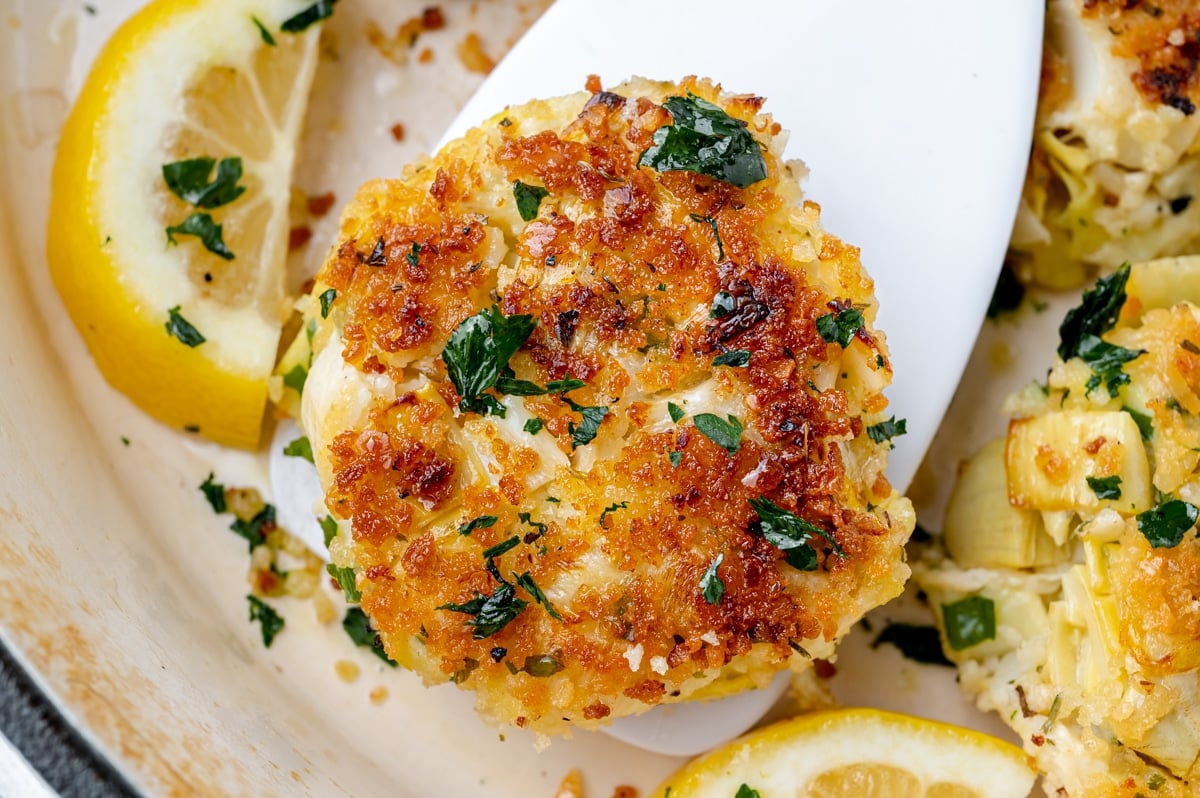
(914, 120)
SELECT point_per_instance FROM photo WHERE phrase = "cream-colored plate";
(121, 591)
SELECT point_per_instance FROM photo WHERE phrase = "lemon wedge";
(850, 753)
(168, 229)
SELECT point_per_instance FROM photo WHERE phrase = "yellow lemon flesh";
(857, 752)
(182, 81)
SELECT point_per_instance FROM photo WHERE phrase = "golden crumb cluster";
(594, 425)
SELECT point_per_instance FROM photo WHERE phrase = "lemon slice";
(851, 753)
(187, 330)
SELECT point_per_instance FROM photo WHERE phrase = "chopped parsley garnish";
(490, 614)
(791, 534)
(1007, 295)
(482, 522)
(345, 579)
(612, 508)
(918, 643)
(1096, 314)
(746, 791)
(1106, 361)
(527, 519)
(413, 256)
(531, 587)
(1165, 525)
(270, 620)
(887, 430)
(501, 547)
(358, 628)
(1145, 423)
(705, 139)
(676, 458)
(585, 431)
(711, 586)
(508, 384)
(533, 426)
(296, 377)
(322, 9)
(722, 305)
(267, 38)
(214, 492)
(840, 327)
(329, 529)
(203, 227)
(1052, 715)
(300, 448)
(188, 180)
(969, 621)
(726, 434)
(675, 411)
(478, 351)
(529, 198)
(327, 296)
(255, 530)
(1106, 487)
(735, 358)
(711, 222)
(182, 329)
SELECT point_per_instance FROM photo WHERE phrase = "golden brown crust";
(618, 271)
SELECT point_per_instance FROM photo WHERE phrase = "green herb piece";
(887, 430)
(270, 620)
(214, 492)
(188, 180)
(476, 353)
(675, 411)
(501, 547)
(726, 434)
(527, 519)
(464, 673)
(1096, 314)
(413, 255)
(745, 791)
(491, 613)
(329, 529)
(533, 426)
(705, 139)
(585, 432)
(203, 227)
(676, 458)
(541, 665)
(322, 9)
(1052, 715)
(182, 329)
(612, 508)
(840, 327)
(358, 627)
(507, 384)
(296, 377)
(1145, 423)
(125, 441)
(255, 530)
(1106, 487)
(711, 586)
(711, 222)
(529, 198)
(525, 580)
(918, 643)
(482, 522)
(791, 534)
(722, 305)
(1007, 295)
(735, 358)
(1165, 525)
(1155, 780)
(300, 448)
(969, 621)
(267, 38)
(327, 296)
(1106, 361)
(345, 579)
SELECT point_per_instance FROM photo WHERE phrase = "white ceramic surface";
(123, 594)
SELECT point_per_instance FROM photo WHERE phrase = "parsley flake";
(791, 534)
(712, 223)
(482, 522)
(1106, 487)
(214, 492)
(296, 377)
(726, 434)
(329, 529)
(476, 353)
(840, 327)
(704, 139)
(722, 305)
(344, 576)
(188, 180)
(1106, 361)
(735, 358)
(1165, 525)
(270, 620)
(358, 628)
(182, 329)
(322, 9)
(585, 432)
(612, 508)
(501, 547)
(711, 586)
(533, 425)
(203, 227)
(413, 256)
(1145, 423)
(746, 791)
(531, 587)
(491, 613)
(529, 198)
(1097, 312)
(255, 530)
(676, 458)
(300, 448)
(327, 296)
(969, 621)
(887, 430)
(675, 411)
(267, 38)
